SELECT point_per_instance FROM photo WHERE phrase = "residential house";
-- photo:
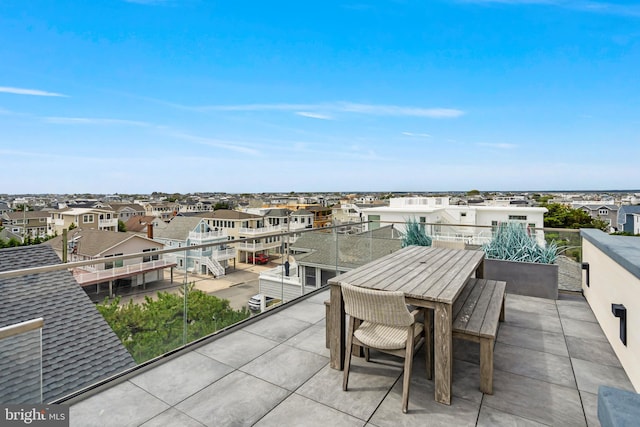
(629, 219)
(86, 218)
(77, 348)
(125, 211)
(472, 224)
(87, 244)
(140, 224)
(27, 223)
(162, 210)
(252, 233)
(188, 231)
(4, 207)
(607, 212)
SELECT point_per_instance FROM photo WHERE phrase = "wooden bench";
(476, 314)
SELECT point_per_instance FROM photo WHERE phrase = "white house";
(472, 224)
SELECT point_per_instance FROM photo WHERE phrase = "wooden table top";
(421, 272)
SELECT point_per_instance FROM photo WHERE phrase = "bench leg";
(502, 310)
(486, 365)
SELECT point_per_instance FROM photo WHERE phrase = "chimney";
(150, 230)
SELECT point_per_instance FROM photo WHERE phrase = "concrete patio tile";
(123, 405)
(534, 364)
(590, 406)
(277, 327)
(595, 351)
(423, 409)
(368, 385)
(306, 311)
(181, 377)
(320, 297)
(590, 376)
(532, 320)
(298, 411)
(582, 329)
(238, 348)
(534, 339)
(311, 339)
(535, 400)
(286, 366)
(466, 380)
(236, 400)
(466, 350)
(490, 417)
(576, 310)
(530, 304)
(172, 417)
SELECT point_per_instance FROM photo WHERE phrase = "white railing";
(214, 266)
(262, 230)
(127, 270)
(257, 246)
(108, 222)
(194, 235)
(224, 254)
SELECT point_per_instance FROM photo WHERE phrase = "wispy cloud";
(211, 142)
(502, 146)
(417, 135)
(334, 108)
(314, 115)
(580, 5)
(32, 92)
(93, 121)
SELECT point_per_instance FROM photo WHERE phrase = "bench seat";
(476, 314)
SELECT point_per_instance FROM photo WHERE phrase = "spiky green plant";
(415, 234)
(512, 242)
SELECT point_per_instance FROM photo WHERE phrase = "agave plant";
(415, 234)
(512, 242)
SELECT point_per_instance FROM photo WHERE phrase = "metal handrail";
(20, 328)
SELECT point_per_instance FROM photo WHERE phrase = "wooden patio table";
(429, 277)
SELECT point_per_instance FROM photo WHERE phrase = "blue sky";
(252, 96)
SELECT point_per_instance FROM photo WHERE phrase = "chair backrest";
(385, 307)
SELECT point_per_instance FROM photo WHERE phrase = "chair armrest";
(417, 312)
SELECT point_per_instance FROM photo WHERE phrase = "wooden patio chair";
(382, 321)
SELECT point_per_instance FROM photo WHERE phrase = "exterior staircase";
(214, 267)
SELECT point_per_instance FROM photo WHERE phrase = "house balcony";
(224, 254)
(208, 236)
(260, 231)
(550, 357)
(108, 223)
(88, 275)
(257, 246)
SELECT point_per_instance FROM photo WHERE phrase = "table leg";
(336, 325)
(443, 353)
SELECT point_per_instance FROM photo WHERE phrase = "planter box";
(524, 278)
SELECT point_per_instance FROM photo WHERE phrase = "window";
(87, 218)
(463, 214)
(603, 212)
(517, 217)
(43, 220)
(152, 257)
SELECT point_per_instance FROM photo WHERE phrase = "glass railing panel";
(21, 360)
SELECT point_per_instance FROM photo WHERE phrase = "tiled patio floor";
(550, 357)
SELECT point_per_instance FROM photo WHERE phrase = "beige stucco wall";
(610, 283)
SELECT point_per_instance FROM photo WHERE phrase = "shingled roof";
(78, 346)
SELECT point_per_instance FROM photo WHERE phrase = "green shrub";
(512, 242)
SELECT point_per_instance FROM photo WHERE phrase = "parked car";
(254, 302)
(258, 259)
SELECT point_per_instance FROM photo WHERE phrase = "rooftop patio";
(550, 357)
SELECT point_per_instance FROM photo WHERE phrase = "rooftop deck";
(550, 357)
